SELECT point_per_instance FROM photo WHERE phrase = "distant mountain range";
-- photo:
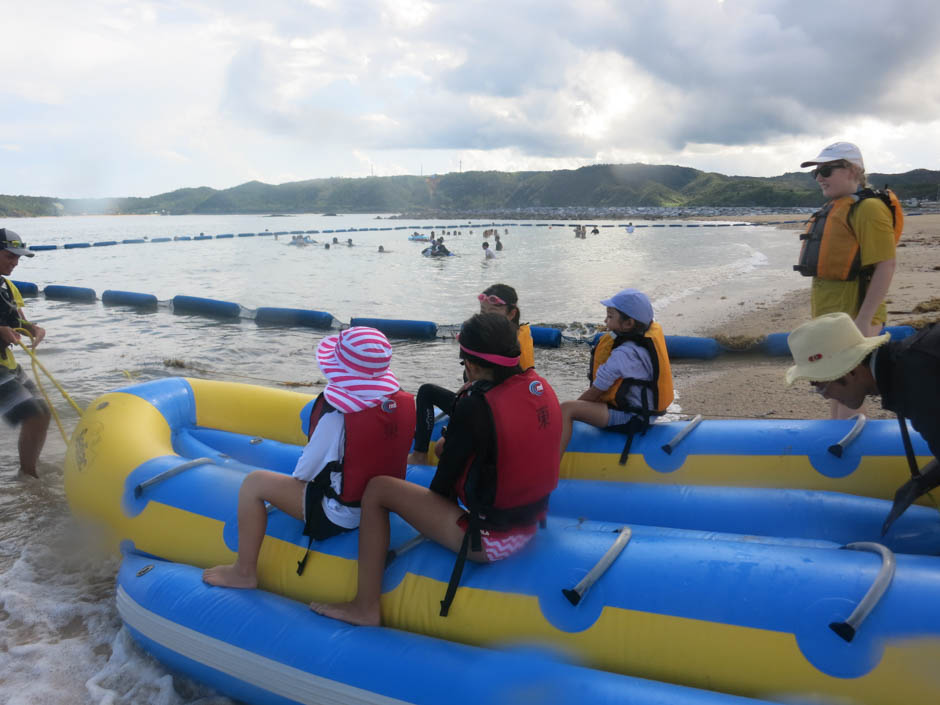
(599, 186)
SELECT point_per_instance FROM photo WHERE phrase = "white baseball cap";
(836, 151)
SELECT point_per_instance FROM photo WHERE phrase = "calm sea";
(61, 640)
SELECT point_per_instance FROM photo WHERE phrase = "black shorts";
(317, 524)
(19, 397)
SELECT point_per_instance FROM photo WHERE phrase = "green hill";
(608, 185)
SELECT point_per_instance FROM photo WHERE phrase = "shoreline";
(744, 385)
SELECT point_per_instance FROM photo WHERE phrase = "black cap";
(11, 242)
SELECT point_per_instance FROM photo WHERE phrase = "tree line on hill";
(598, 186)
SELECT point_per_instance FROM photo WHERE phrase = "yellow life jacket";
(830, 247)
(527, 355)
(661, 385)
(11, 301)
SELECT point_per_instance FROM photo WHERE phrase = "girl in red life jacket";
(498, 298)
(359, 427)
(517, 446)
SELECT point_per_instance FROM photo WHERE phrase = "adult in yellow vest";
(20, 402)
(849, 245)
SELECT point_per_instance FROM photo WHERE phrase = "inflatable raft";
(161, 463)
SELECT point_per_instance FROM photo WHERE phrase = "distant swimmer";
(595, 231)
(487, 252)
(335, 240)
(630, 227)
(381, 249)
(326, 245)
(499, 243)
(349, 242)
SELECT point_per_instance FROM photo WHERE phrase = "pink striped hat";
(355, 361)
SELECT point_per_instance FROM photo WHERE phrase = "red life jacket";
(508, 486)
(377, 443)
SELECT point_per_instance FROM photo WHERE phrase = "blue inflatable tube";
(205, 307)
(776, 345)
(292, 655)
(225, 236)
(294, 317)
(26, 288)
(75, 245)
(69, 293)
(182, 238)
(112, 297)
(104, 243)
(42, 248)
(399, 328)
(162, 239)
(545, 337)
(133, 241)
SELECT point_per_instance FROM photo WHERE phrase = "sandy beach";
(744, 385)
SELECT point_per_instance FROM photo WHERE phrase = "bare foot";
(229, 576)
(418, 458)
(349, 612)
(29, 473)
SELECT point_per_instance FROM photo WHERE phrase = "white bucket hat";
(355, 361)
(828, 347)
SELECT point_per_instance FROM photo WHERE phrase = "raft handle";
(849, 627)
(166, 475)
(404, 548)
(677, 439)
(575, 594)
(838, 448)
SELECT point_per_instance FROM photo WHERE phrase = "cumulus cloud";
(110, 98)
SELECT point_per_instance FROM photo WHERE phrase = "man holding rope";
(842, 364)
(20, 401)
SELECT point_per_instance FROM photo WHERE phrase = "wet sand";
(744, 385)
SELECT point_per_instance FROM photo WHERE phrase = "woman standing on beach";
(849, 245)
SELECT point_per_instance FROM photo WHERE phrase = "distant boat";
(329, 214)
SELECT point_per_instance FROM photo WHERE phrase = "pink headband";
(500, 360)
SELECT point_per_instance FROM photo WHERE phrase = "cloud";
(135, 99)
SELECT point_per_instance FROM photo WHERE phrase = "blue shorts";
(616, 417)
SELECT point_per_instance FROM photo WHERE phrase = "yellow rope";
(37, 366)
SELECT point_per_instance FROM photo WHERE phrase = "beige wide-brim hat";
(828, 347)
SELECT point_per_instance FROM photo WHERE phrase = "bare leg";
(32, 438)
(592, 412)
(284, 492)
(432, 515)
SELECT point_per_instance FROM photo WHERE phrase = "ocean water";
(61, 640)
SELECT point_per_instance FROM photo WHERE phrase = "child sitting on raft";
(625, 371)
(358, 429)
(499, 460)
(498, 298)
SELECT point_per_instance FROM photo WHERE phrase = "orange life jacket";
(830, 247)
(654, 342)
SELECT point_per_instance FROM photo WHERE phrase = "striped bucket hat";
(355, 362)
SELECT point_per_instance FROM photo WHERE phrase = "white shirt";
(325, 446)
(489, 254)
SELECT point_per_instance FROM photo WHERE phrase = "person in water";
(381, 248)
(849, 245)
(499, 244)
(487, 252)
(604, 403)
(499, 461)
(498, 298)
(358, 429)
(20, 401)
(843, 365)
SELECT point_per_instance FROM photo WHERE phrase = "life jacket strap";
(471, 540)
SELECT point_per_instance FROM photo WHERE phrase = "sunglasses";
(826, 170)
(11, 243)
(493, 299)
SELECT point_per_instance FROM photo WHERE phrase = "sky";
(105, 98)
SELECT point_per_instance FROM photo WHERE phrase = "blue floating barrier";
(41, 248)
(739, 225)
(313, 232)
(723, 225)
(775, 345)
(205, 307)
(693, 225)
(75, 245)
(26, 288)
(69, 293)
(899, 332)
(161, 239)
(246, 234)
(641, 226)
(203, 237)
(296, 232)
(112, 297)
(773, 222)
(685, 346)
(294, 317)
(104, 243)
(399, 328)
(224, 236)
(660, 225)
(265, 234)
(676, 225)
(133, 241)
(181, 238)
(607, 226)
(327, 231)
(282, 232)
(545, 337)
(526, 225)
(709, 225)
